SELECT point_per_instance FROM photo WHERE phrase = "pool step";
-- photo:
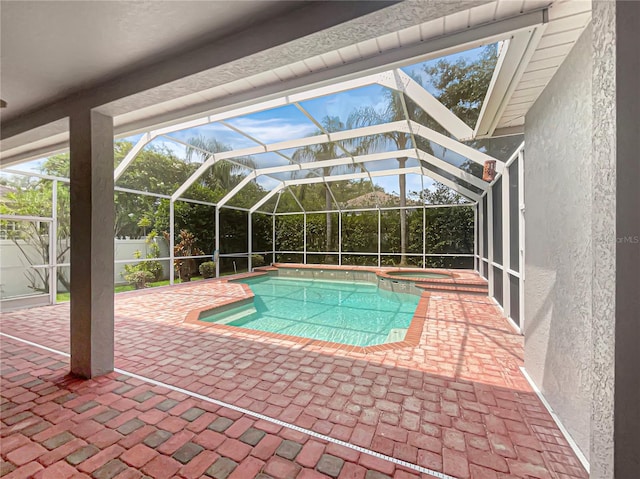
(455, 288)
(229, 315)
(396, 335)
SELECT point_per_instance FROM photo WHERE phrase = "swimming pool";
(354, 313)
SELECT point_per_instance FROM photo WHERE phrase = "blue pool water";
(359, 314)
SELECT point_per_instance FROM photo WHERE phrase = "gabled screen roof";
(416, 122)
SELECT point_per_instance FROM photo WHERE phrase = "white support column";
(379, 241)
(273, 228)
(172, 241)
(476, 262)
(273, 237)
(481, 214)
(249, 241)
(339, 238)
(92, 255)
(490, 239)
(521, 229)
(217, 218)
(506, 250)
(304, 238)
(424, 236)
(53, 245)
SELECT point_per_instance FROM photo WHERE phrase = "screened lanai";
(374, 171)
(252, 143)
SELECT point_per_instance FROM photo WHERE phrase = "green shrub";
(257, 260)
(208, 269)
(185, 247)
(153, 267)
(139, 279)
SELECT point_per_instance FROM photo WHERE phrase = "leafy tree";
(289, 233)
(190, 216)
(348, 190)
(33, 198)
(393, 110)
(144, 223)
(324, 151)
(461, 86)
(360, 233)
(448, 230)
(224, 174)
(155, 169)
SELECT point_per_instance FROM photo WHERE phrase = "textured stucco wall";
(603, 230)
(558, 260)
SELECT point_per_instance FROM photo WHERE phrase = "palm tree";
(324, 151)
(392, 111)
(223, 173)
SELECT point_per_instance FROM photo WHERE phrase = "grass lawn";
(62, 297)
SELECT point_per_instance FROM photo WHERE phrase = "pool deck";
(456, 402)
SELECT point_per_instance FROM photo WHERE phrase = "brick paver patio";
(457, 402)
(57, 427)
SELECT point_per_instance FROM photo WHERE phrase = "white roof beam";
(255, 140)
(454, 170)
(410, 153)
(275, 207)
(324, 130)
(355, 176)
(236, 189)
(400, 125)
(128, 159)
(266, 198)
(296, 198)
(454, 186)
(512, 62)
(399, 80)
(208, 163)
(335, 88)
(386, 79)
(310, 165)
(318, 139)
(241, 132)
(274, 103)
(453, 145)
(410, 127)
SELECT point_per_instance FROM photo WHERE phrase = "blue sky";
(288, 122)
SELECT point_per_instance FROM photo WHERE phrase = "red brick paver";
(458, 394)
(55, 452)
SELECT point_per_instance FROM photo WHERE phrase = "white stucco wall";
(14, 268)
(559, 260)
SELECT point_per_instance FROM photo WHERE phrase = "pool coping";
(457, 278)
(411, 339)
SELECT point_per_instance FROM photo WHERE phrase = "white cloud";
(273, 129)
